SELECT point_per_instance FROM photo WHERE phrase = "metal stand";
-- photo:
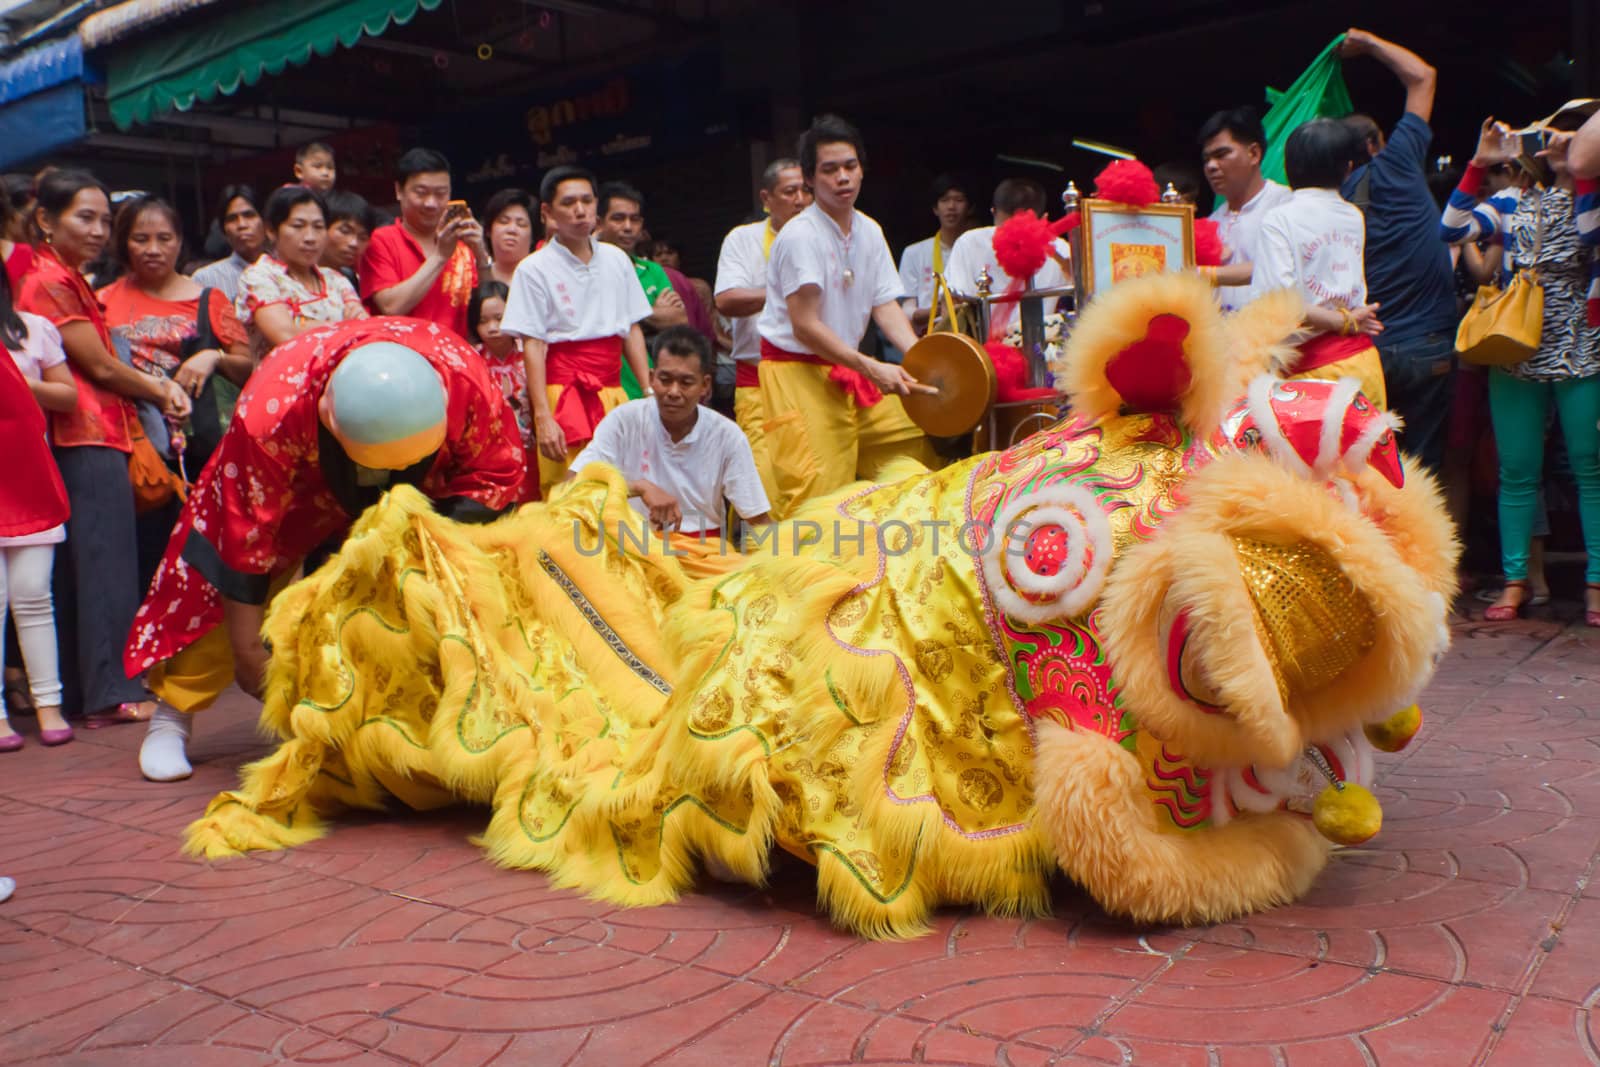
(1039, 413)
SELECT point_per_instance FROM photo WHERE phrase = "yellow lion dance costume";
(1131, 648)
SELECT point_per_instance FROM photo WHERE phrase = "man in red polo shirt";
(425, 264)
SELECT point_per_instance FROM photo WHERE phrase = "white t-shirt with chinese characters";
(974, 252)
(40, 350)
(743, 265)
(855, 272)
(557, 297)
(1313, 243)
(916, 270)
(710, 466)
(1240, 232)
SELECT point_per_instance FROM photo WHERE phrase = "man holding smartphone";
(425, 264)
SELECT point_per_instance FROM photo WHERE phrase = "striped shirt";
(1554, 231)
(1465, 219)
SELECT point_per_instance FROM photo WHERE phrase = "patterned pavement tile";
(1465, 933)
(1513, 847)
(1571, 968)
(1419, 925)
(1549, 1032)
(1241, 1004)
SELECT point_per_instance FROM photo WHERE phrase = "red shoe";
(13, 743)
(1507, 612)
(1591, 616)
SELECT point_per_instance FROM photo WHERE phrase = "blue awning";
(41, 123)
(45, 67)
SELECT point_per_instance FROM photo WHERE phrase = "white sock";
(162, 757)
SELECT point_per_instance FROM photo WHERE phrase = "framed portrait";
(1121, 241)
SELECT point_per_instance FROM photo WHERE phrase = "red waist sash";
(1326, 348)
(713, 534)
(854, 383)
(746, 373)
(584, 368)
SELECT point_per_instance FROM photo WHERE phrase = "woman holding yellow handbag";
(1548, 229)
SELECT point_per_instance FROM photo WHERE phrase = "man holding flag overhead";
(1408, 269)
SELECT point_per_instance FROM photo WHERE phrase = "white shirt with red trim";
(855, 272)
(557, 297)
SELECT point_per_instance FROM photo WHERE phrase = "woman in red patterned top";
(97, 576)
(287, 291)
(157, 311)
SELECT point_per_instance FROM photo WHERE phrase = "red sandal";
(1507, 612)
(1591, 617)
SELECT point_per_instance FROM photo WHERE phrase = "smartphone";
(457, 209)
(1534, 141)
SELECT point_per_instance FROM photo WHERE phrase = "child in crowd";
(349, 230)
(314, 168)
(26, 560)
(504, 357)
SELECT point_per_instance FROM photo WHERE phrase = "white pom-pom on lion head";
(1047, 556)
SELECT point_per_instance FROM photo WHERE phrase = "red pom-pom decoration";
(1010, 370)
(1022, 243)
(1011, 375)
(1208, 249)
(1127, 181)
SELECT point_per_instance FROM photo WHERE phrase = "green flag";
(1319, 92)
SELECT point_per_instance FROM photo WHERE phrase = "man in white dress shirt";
(833, 413)
(922, 260)
(684, 463)
(1231, 146)
(741, 293)
(576, 304)
(974, 250)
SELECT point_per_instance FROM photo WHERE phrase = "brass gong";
(959, 368)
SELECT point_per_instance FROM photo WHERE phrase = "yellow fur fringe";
(1090, 805)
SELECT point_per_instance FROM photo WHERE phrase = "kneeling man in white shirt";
(684, 463)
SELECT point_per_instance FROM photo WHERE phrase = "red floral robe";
(264, 501)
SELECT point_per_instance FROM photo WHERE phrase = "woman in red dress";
(97, 576)
(33, 510)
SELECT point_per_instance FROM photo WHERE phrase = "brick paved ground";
(1468, 932)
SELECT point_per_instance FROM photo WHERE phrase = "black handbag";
(213, 408)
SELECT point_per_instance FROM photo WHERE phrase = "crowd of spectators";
(138, 353)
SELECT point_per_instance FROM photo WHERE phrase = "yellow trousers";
(192, 680)
(1364, 365)
(751, 415)
(818, 440)
(553, 473)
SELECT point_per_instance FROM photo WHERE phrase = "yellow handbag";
(1504, 326)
